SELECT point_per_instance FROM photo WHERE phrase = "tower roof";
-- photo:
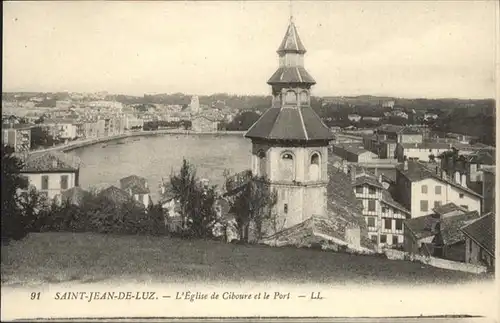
(291, 74)
(291, 42)
(297, 124)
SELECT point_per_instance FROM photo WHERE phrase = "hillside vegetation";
(87, 257)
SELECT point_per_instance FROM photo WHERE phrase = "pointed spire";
(291, 42)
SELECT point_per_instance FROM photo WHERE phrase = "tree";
(13, 222)
(40, 137)
(253, 206)
(197, 201)
(33, 204)
(184, 186)
(243, 121)
(202, 216)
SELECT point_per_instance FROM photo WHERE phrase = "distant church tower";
(289, 141)
(195, 104)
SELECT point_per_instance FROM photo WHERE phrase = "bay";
(154, 157)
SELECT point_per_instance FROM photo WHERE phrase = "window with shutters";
(45, 182)
(388, 224)
(424, 206)
(64, 182)
(395, 240)
(371, 205)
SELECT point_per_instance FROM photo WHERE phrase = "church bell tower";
(289, 141)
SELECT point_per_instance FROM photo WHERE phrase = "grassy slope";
(57, 257)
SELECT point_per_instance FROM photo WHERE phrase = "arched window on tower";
(290, 97)
(304, 98)
(287, 167)
(314, 167)
(262, 161)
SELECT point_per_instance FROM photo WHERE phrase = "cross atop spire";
(291, 11)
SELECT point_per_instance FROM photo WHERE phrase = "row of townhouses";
(428, 208)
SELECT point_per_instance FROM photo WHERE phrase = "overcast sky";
(397, 48)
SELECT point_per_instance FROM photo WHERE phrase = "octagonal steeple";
(291, 117)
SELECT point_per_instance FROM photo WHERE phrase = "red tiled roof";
(387, 199)
(364, 179)
(447, 208)
(450, 227)
(417, 171)
(423, 226)
(291, 74)
(291, 42)
(115, 194)
(290, 124)
(137, 184)
(482, 231)
(52, 161)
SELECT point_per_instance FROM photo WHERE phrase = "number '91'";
(35, 296)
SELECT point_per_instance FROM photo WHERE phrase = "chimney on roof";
(405, 164)
(353, 172)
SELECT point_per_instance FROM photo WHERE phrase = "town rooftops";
(134, 183)
(341, 200)
(356, 149)
(489, 169)
(418, 171)
(291, 41)
(298, 124)
(423, 226)
(448, 208)
(209, 116)
(115, 194)
(482, 231)
(482, 157)
(51, 162)
(387, 199)
(426, 145)
(397, 129)
(450, 227)
(367, 180)
(17, 126)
